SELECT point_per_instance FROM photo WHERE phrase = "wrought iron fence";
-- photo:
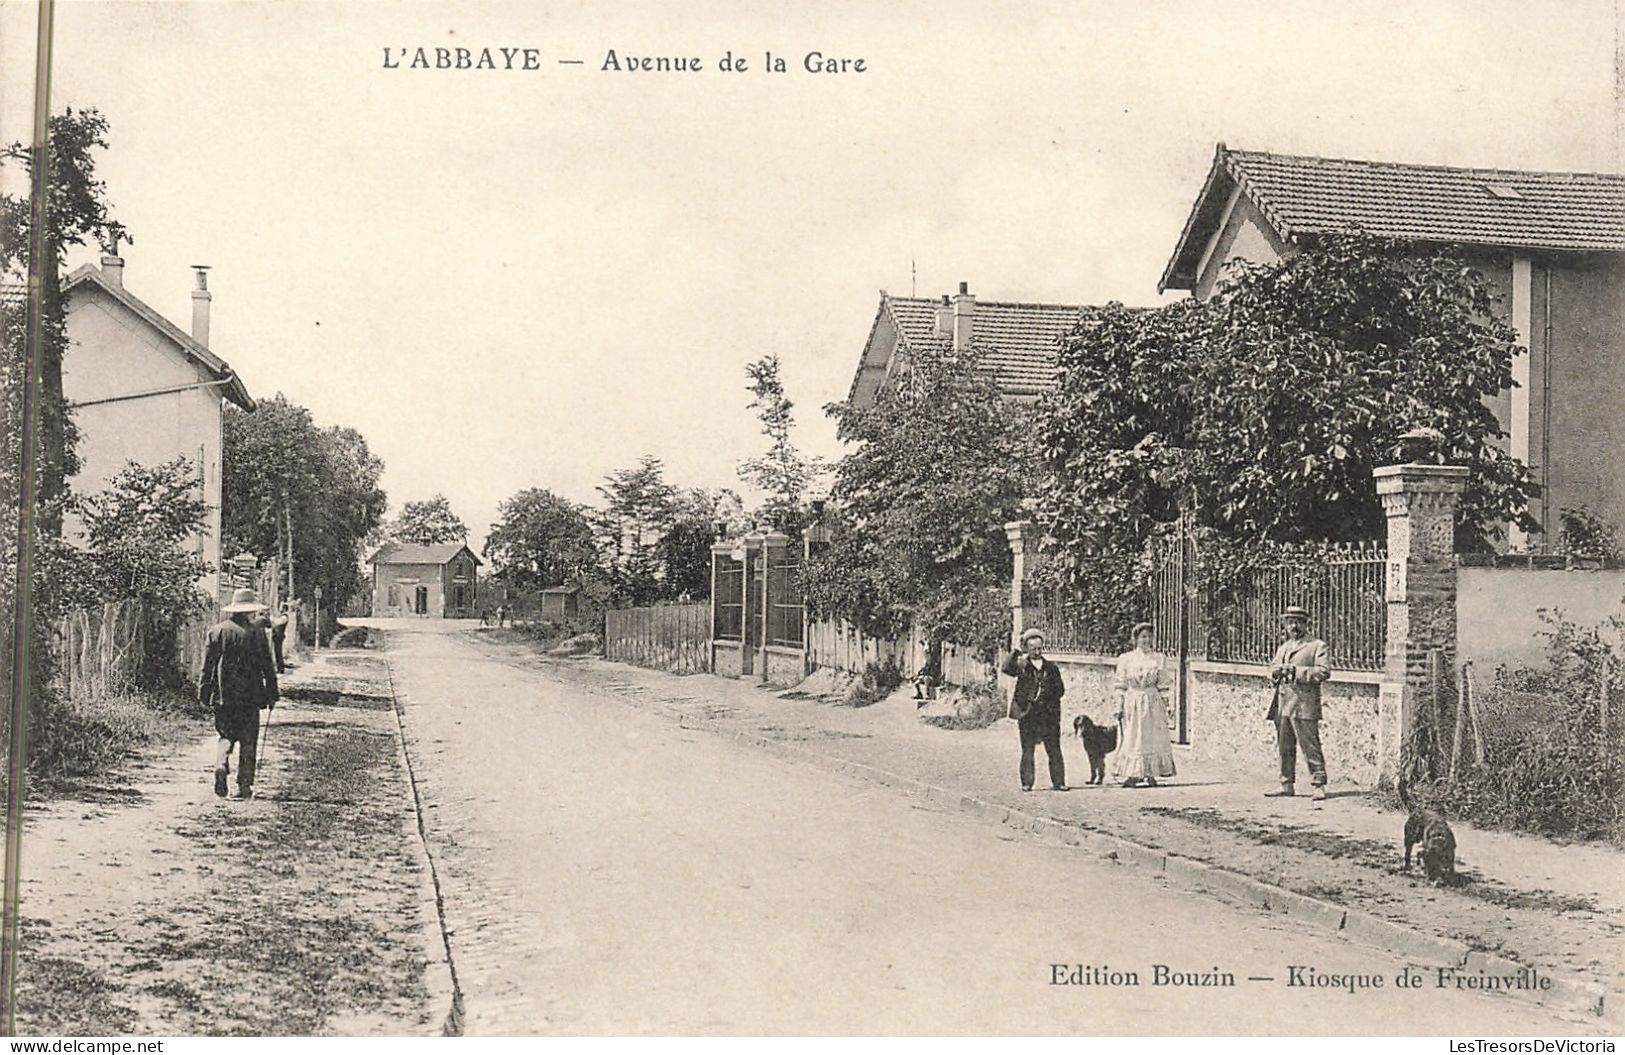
(1235, 620)
(786, 615)
(1069, 625)
(728, 593)
(1344, 595)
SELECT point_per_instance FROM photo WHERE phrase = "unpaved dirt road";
(607, 871)
(150, 907)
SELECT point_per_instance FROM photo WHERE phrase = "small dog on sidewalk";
(1098, 742)
(1428, 830)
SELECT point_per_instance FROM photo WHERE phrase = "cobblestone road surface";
(605, 870)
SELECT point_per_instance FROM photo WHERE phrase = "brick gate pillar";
(1023, 536)
(1420, 501)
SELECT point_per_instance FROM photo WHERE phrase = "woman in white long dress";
(1142, 683)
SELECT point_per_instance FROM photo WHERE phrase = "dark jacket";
(1037, 695)
(238, 671)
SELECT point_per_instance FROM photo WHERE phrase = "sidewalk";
(149, 906)
(1558, 908)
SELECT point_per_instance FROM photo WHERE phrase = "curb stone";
(439, 971)
(1395, 938)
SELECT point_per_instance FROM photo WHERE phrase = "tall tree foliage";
(1266, 408)
(639, 506)
(294, 489)
(699, 517)
(77, 212)
(428, 522)
(935, 470)
(783, 473)
(540, 540)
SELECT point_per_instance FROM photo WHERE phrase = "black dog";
(1098, 742)
(1437, 843)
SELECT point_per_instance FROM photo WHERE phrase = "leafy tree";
(639, 509)
(139, 536)
(684, 551)
(297, 491)
(75, 211)
(937, 467)
(783, 472)
(540, 540)
(352, 506)
(429, 522)
(1266, 408)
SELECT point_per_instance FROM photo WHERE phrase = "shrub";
(580, 645)
(976, 708)
(79, 737)
(878, 681)
(1584, 535)
(1561, 774)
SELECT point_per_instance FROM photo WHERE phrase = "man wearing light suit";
(1297, 670)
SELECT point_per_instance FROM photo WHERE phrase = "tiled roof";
(1018, 341)
(1562, 211)
(414, 553)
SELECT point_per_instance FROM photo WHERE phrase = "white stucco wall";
(1498, 610)
(112, 352)
(1245, 236)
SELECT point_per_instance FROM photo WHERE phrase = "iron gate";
(1173, 593)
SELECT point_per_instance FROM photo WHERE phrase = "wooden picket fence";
(99, 650)
(838, 645)
(672, 637)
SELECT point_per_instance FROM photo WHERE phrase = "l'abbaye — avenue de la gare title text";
(532, 59)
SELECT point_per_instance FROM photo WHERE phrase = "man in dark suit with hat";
(239, 680)
(1297, 670)
(1035, 704)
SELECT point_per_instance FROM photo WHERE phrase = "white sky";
(509, 280)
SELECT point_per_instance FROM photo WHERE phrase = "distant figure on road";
(279, 634)
(1297, 670)
(485, 617)
(1142, 682)
(502, 613)
(239, 679)
(1035, 704)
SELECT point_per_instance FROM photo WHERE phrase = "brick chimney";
(112, 263)
(964, 311)
(200, 305)
(945, 319)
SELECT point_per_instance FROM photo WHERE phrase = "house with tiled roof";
(1018, 341)
(1551, 243)
(141, 389)
(437, 581)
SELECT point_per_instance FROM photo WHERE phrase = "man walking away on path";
(1297, 670)
(1035, 704)
(279, 634)
(239, 679)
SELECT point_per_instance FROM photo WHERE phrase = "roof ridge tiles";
(1425, 167)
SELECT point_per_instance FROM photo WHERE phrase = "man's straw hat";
(245, 600)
